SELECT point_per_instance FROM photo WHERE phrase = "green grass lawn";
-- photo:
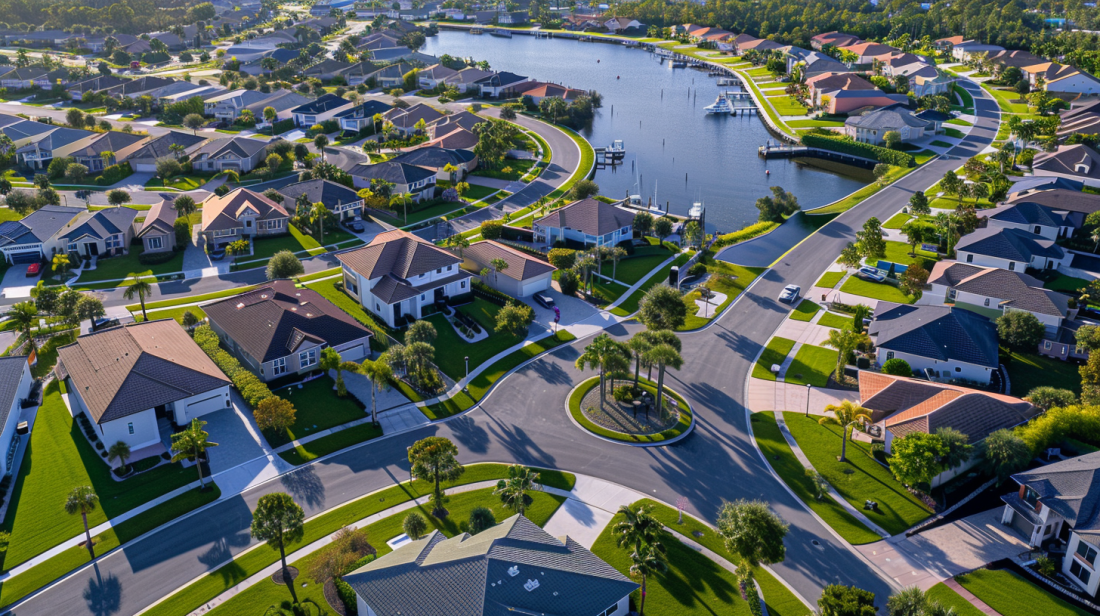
(633, 269)
(726, 278)
(948, 202)
(318, 408)
(812, 365)
(327, 288)
(1007, 99)
(898, 252)
(876, 290)
(834, 320)
(859, 479)
(787, 106)
(774, 353)
(7, 214)
(171, 313)
(630, 305)
(451, 348)
(432, 211)
(958, 122)
(476, 192)
(941, 144)
(124, 266)
(1012, 595)
(949, 598)
(782, 460)
(952, 132)
(47, 355)
(226, 576)
(814, 124)
(1027, 371)
(805, 311)
(180, 182)
(1066, 284)
(897, 221)
(693, 584)
(58, 459)
(828, 280)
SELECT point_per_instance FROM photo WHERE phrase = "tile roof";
(521, 266)
(589, 216)
(397, 253)
(1010, 244)
(220, 213)
(936, 332)
(1071, 488)
(125, 370)
(514, 567)
(273, 320)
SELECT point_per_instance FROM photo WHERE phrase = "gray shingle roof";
(936, 332)
(11, 373)
(392, 171)
(887, 118)
(512, 568)
(328, 102)
(272, 321)
(1011, 289)
(1059, 199)
(102, 224)
(324, 191)
(1026, 213)
(1071, 488)
(159, 147)
(160, 218)
(588, 216)
(434, 158)
(243, 147)
(1011, 244)
(398, 253)
(38, 226)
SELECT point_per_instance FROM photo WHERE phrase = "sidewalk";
(591, 505)
(767, 395)
(969, 596)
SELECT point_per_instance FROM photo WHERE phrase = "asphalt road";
(523, 420)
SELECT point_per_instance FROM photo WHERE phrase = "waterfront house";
(761, 45)
(588, 222)
(1073, 162)
(843, 93)
(833, 39)
(1011, 249)
(36, 237)
(361, 116)
(943, 342)
(320, 110)
(105, 233)
(467, 78)
(342, 201)
(298, 325)
(514, 567)
(524, 276)
(392, 76)
(991, 292)
(436, 159)
(539, 91)
(241, 214)
(398, 275)
(407, 179)
(16, 381)
(240, 154)
(143, 155)
(871, 127)
(126, 378)
(158, 233)
(813, 64)
(500, 85)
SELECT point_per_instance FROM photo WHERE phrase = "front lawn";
(805, 311)
(451, 347)
(726, 278)
(1007, 99)
(1027, 371)
(125, 266)
(947, 597)
(812, 365)
(630, 305)
(828, 280)
(774, 353)
(950, 202)
(790, 470)
(432, 211)
(327, 289)
(834, 320)
(1066, 284)
(632, 269)
(172, 313)
(58, 459)
(876, 290)
(897, 221)
(788, 106)
(318, 408)
(859, 479)
(1011, 595)
(898, 252)
(47, 355)
(180, 182)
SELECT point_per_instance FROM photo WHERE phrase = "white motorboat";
(721, 105)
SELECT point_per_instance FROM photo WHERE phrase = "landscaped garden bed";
(619, 421)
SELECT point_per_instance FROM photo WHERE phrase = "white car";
(870, 273)
(790, 294)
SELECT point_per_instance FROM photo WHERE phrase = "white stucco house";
(589, 222)
(991, 292)
(37, 236)
(951, 343)
(15, 387)
(1011, 249)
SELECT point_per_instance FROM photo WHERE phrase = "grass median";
(774, 354)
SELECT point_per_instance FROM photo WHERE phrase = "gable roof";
(396, 253)
(1066, 160)
(274, 320)
(11, 374)
(125, 370)
(407, 118)
(514, 567)
(242, 147)
(936, 332)
(38, 226)
(391, 171)
(1012, 289)
(1026, 213)
(887, 118)
(521, 266)
(220, 213)
(159, 147)
(589, 216)
(1059, 199)
(1011, 244)
(96, 144)
(160, 218)
(327, 102)
(1071, 488)
(323, 191)
(100, 225)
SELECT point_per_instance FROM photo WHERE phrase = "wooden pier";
(773, 150)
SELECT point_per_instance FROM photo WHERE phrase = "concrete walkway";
(969, 596)
(765, 395)
(591, 505)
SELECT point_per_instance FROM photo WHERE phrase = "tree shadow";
(305, 486)
(103, 594)
(471, 436)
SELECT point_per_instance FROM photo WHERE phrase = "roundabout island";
(628, 414)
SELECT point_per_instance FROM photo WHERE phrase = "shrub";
(856, 148)
(251, 388)
(114, 173)
(282, 126)
(156, 258)
(624, 393)
(747, 233)
(697, 270)
(562, 258)
(481, 518)
(414, 525)
(491, 229)
(569, 282)
(897, 367)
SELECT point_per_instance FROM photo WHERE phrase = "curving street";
(522, 420)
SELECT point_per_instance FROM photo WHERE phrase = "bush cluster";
(156, 258)
(855, 148)
(747, 233)
(252, 389)
(281, 126)
(114, 173)
(624, 393)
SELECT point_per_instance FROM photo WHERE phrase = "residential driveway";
(237, 435)
(16, 284)
(573, 310)
(195, 258)
(932, 556)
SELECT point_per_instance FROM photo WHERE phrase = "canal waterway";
(674, 149)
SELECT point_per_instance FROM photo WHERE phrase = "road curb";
(671, 441)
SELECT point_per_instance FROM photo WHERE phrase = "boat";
(721, 105)
(678, 64)
(616, 149)
(501, 33)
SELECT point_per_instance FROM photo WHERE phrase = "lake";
(673, 148)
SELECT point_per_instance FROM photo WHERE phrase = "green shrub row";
(490, 294)
(114, 173)
(747, 233)
(252, 389)
(282, 126)
(845, 145)
(156, 258)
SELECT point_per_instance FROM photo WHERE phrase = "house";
(325, 70)
(524, 276)
(1062, 344)
(942, 342)
(392, 76)
(925, 80)
(1015, 57)
(282, 101)
(935, 119)
(91, 150)
(35, 238)
(1010, 249)
(1059, 502)
(514, 567)
(901, 406)
(361, 116)
(394, 54)
(241, 214)
(827, 84)
(432, 76)
(158, 233)
(143, 155)
(1074, 162)
(357, 73)
(467, 78)
(228, 105)
(461, 119)
(300, 323)
(872, 126)
(436, 159)
(456, 138)
(405, 120)
(962, 52)
(398, 275)
(1061, 79)
(37, 150)
(15, 387)
(833, 39)
(1033, 218)
(867, 53)
(320, 110)
(339, 199)
(22, 78)
(125, 378)
(619, 25)
(1080, 119)
(588, 222)
(540, 91)
(761, 45)
(406, 178)
(94, 85)
(500, 85)
(815, 63)
(240, 154)
(991, 292)
(136, 88)
(201, 92)
(105, 233)
(949, 43)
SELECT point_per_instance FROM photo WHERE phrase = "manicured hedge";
(747, 233)
(156, 258)
(114, 173)
(282, 126)
(252, 389)
(489, 294)
(855, 148)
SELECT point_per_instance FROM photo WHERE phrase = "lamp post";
(467, 385)
(809, 388)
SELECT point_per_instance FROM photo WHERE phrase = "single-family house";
(866, 53)
(500, 85)
(539, 91)
(320, 110)
(228, 105)
(948, 43)
(392, 76)
(15, 387)
(871, 127)
(814, 63)
(588, 222)
(125, 378)
(143, 155)
(36, 237)
(761, 45)
(943, 342)
(833, 39)
(342, 201)
(406, 178)
(22, 78)
(357, 73)
(158, 233)
(36, 150)
(432, 76)
(467, 78)
(298, 323)
(1013, 57)
(436, 159)
(1082, 119)
(136, 88)
(398, 274)
(514, 567)
(326, 69)
(361, 116)
(241, 214)
(991, 292)
(524, 275)
(962, 52)
(405, 120)
(282, 101)
(91, 150)
(93, 84)
(619, 25)
(105, 233)
(1034, 218)
(1074, 162)
(1010, 249)
(456, 138)
(240, 154)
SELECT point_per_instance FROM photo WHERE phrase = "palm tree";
(317, 215)
(663, 355)
(644, 562)
(269, 64)
(119, 451)
(597, 355)
(844, 340)
(638, 528)
(141, 288)
(83, 500)
(405, 198)
(584, 264)
(380, 373)
(319, 142)
(616, 253)
(459, 242)
(638, 346)
(846, 414)
(25, 316)
(513, 490)
(498, 265)
(190, 444)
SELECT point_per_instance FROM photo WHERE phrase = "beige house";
(241, 214)
(157, 233)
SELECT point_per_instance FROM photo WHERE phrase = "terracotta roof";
(220, 213)
(521, 266)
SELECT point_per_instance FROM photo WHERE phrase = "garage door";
(1022, 525)
(145, 168)
(355, 353)
(215, 402)
(26, 257)
(536, 285)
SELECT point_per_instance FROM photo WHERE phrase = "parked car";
(544, 300)
(354, 225)
(104, 323)
(790, 294)
(870, 273)
(33, 270)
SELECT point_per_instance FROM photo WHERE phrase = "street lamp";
(467, 386)
(809, 388)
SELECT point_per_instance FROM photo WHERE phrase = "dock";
(774, 150)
